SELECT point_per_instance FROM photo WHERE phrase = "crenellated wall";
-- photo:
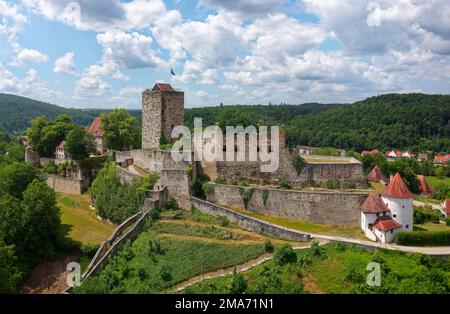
(332, 208)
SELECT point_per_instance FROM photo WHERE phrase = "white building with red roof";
(445, 208)
(382, 215)
(96, 130)
(60, 152)
(370, 152)
(441, 159)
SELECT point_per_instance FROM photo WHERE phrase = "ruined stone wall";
(250, 223)
(68, 186)
(312, 173)
(178, 183)
(332, 208)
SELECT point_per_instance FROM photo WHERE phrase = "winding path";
(229, 270)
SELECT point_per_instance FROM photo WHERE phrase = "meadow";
(336, 269)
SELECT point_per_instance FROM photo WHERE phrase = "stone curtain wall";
(311, 173)
(250, 223)
(68, 186)
(332, 208)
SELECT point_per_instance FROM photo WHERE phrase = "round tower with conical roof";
(399, 200)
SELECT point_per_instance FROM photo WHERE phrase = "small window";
(407, 226)
(378, 214)
(403, 206)
(395, 216)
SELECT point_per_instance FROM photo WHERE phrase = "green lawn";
(78, 221)
(340, 269)
(434, 182)
(429, 226)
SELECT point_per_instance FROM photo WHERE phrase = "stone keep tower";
(162, 110)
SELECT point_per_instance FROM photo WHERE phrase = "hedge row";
(423, 238)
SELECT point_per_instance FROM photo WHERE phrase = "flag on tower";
(172, 72)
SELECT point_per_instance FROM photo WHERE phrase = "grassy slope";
(327, 274)
(79, 222)
(434, 182)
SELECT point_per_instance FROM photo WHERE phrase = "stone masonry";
(162, 110)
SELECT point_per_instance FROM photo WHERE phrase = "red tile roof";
(441, 159)
(370, 152)
(61, 145)
(377, 175)
(423, 185)
(397, 188)
(386, 224)
(447, 206)
(374, 204)
(397, 152)
(96, 128)
(164, 87)
(409, 153)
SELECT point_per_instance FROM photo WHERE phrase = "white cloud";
(101, 15)
(25, 55)
(91, 87)
(31, 85)
(201, 94)
(128, 50)
(133, 91)
(65, 64)
(245, 8)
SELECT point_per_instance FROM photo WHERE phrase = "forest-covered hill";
(404, 121)
(16, 112)
(417, 121)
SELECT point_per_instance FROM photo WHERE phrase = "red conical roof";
(397, 188)
(424, 188)
(374, 204)
(377, 175)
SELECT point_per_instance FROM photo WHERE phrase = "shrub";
(172, 204)
(298, 163)
(268, 246)
(339, 247)
(237, 284)
(246, 194)
(50, 168)
(316, 250)
(305, 260)
(423, 238)
(89, 249)
(332, 184)
(265, 196)
(223, 221)
(355, 274)
(208, 189)
(154, 214)
(447, 221)
(165, 274)
(220, 180)
(285, 185)
(285, 255)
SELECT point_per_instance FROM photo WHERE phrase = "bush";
(89, 249)
(298, 163)
(332, 184)
(355, 274)
(447, 221)
(208, 189)
(172, 204)
(316, 250)
(285, 255)
(423, 238)
(223, 221)
(268, 246)
(220, 180)
(265, 196)
(422, 215)
(285, 185)
(237, 284)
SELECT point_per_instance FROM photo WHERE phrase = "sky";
(103, 53)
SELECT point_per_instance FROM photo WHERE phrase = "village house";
(59, 152)
(376, 175)
(96, 130)
(370, 152)
(423, 186)
(441, 159)
(445, 208)
(384, 214)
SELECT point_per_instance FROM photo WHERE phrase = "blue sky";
(234, 51)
